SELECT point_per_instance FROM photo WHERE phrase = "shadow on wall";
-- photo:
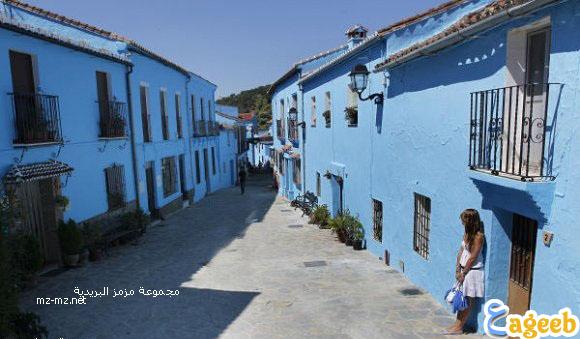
(167, 258)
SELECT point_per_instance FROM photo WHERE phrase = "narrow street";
(246, 267)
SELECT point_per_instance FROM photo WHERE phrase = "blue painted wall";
(79, 116)
(418, 142)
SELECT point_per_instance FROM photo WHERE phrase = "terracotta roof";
(382, 32)
(98, 31)
(247, 116)
(466, 21)
(414, 19)
(36, 171)
(297, 65)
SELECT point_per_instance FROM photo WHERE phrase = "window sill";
(113, 138)
(37, 144)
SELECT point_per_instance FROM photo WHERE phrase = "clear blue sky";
(237, 44)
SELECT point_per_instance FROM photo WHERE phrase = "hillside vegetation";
(252, 100)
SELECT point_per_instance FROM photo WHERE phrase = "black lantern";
(359, 79)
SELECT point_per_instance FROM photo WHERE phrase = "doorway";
(151, 195)
(337, 183)
(523, 239)
(182, 182)
(39, 213)
(206, 171)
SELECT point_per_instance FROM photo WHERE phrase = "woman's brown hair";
(472, 223)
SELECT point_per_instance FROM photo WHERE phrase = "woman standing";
(469, 269)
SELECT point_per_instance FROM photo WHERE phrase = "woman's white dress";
(473, 285)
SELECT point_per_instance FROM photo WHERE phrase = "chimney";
(355, 35)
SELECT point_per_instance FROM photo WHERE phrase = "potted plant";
(351, 115)
(338, 226)
(93, 235)
(26, 258)
(71, 242)
(326, 115)
(320, 216)
(61, 202)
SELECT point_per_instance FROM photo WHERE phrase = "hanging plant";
(351, 115)
(326, 115)
(61, 202)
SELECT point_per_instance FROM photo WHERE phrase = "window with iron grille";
(197, 172)
(145, 116)
(327, 114)
(178, 116)
(296, 169)
(213, 160)
(193, 115)
(169, 175)
(115, 181)
(164, 118)
(422, 225)
(318, 184)
(378, 220)
(313, 112)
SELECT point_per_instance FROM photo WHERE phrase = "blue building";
(230, 143)
(101, 120)
(479, 111)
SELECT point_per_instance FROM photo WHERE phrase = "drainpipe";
(132, 127)
(303, 141)
(189, 138)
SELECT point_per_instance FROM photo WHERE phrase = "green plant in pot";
(71, 242)
(320, 216)
(26, 258)
(61, 202)
(337, 225)
(358, 234)
(351, 115)
(93, 236)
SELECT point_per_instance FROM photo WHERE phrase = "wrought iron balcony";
(36, 118)
(511, 132)
(113, 119)
(200, 128)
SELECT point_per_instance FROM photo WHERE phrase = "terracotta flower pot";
(71, 260)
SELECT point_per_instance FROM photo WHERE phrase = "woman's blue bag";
(455, 297)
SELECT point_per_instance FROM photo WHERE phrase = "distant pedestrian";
(242, 177)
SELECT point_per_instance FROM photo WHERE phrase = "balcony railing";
(212, 128)
(113, 119)
(200, 128)
(511, 131)
(36, 118)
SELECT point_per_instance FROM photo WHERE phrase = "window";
(169, 175)
(294, 102)
(209, 115)
(296, 170)
(378, 220)
(213, 160)
(197, 173)
(115, 181)
(327, 109)
(201, 110)
(282, 119)
(164, 118)
(313, 112)
(193, 115)
(422, 225)
(145, 116)
(178, 115)
(318, 190)
(351, 109)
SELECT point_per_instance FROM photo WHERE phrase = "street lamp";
(359, 79)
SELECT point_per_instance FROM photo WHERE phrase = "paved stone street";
(246, 267)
